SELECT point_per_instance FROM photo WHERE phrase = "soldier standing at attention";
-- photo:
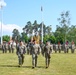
(35, 51)
(47, 51)
(72, 47)
(20, 52)
(3, 47)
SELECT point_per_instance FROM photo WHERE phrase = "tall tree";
(64, 22)
(28, 28)
(16, 35)
(35, 26)
(72, 33)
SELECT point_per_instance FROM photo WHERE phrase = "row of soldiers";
(8, 47)
(64, 47)
(56, 47)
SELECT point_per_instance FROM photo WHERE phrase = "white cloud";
(2, 3)
(8, 28)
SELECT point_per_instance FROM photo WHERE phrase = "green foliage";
(72, 34)
(52, 39)
(46, 38)
(62, 30)
(24, 37)
(30, 27)
(6, 38)
(16, 35)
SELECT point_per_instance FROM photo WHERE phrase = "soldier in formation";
(59, 47)
(47, 51)
(9, 47)
(29, 46)
(55, 48)
(66, 47)
(4, 47)
(20, 52)
(35, 51)
(72, 47)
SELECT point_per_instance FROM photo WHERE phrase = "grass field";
(61, 64)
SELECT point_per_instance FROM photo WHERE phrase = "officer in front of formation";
(47, 52)
(20, 52)
(35, 51)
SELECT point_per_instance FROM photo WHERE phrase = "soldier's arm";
(43, 50)
(17, 50)
(24, 49)
(39, 49)
(50, 49)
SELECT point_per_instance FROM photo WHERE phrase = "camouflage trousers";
(34, 60)
(4, 50)
(47, 59)
(21, 59)
(72, 50)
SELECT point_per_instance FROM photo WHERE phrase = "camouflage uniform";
(29, 48)
(4, 48)
(66, 48)
(42, 45)
(20, 52)
(35, 51)
(55, 46)
(9, 47)
(59, 48)
(47, 51)
(0, 47)
(72, 48)
(13, 47)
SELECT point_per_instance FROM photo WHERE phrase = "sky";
(16, 13)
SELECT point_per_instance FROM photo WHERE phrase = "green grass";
(61, 64)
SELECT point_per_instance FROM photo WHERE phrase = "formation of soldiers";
(66, 47)
(8, 47)
(35, 48)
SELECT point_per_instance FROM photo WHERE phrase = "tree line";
(64, 31)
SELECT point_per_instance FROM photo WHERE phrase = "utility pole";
(2, 4)
(42, 23)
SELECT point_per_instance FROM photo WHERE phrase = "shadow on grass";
(8, 65)
(35, 67)
(11, 66)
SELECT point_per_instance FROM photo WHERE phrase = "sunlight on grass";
(61, 64)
